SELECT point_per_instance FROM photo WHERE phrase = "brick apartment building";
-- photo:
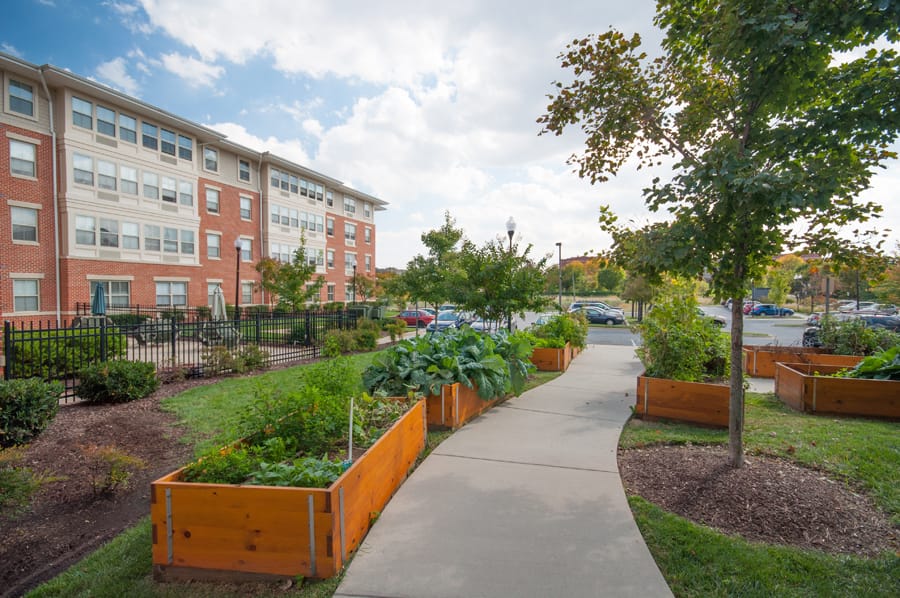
(97, 187)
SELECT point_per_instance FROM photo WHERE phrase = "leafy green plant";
(26, 408)
(678, 342)
(881, 366)
(117, 381)
(338, 342)
(853, 337)
(253, 357)
(306, 472)
(561, 329)
(17, 483)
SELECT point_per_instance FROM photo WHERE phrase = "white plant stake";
(350, 450)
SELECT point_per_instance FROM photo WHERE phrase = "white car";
(579, 304)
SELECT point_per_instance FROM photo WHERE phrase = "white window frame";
(214, 246)
(215, 202)
(246, 208)
(173, 290)
(210, 159)
(11, 106)
(244, 170)
(27, 221)
(17, 150)
(21, 293)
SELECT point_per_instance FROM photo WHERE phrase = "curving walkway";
(523, 501)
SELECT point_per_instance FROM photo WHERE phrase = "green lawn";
(697, 561)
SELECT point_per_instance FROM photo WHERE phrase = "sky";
(430, 106)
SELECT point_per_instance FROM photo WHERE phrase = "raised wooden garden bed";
(547, 359)
(799, 387)
(456, 405)
(760, 360)
(695, 402)
(227, 532)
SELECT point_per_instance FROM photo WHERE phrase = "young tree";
(766, 129)
(291, 282)
(428, 278)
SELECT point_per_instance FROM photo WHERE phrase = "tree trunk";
(736, 399)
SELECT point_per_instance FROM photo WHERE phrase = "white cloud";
(130, 16)
(10, 49)
(290, 149)
(115, 73)
(196, 73)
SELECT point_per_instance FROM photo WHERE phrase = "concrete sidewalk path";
(524, 501)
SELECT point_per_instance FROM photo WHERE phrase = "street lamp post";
(238, 249)
(354, 284)
(559, 271)
(510, 230)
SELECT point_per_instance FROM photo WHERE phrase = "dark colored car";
(770, 309)
(597, 315)
(418, 318)
(444, 320)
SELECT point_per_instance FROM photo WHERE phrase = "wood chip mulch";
(768, 500)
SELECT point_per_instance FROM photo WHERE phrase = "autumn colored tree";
(294, 283)
(765, 126)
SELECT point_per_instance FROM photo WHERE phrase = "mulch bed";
(768, 500)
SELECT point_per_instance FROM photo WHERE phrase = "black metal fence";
(184, 344)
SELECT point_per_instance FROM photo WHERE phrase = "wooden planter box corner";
(760, 360)
(547, 359)
(234, 533)
(456, 405)
(798, 386)
(695, 402)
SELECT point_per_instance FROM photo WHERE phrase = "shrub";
(297, 334)
(338, 342)
(54, 354)
(564, 328)
(26, 408)
(678, 342)
(117, 381)
(110, 468)
(395, 328)
(254, 358)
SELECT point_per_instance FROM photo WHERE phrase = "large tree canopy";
(767, 128)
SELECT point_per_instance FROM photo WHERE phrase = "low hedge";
(27, 406)
(117, 381)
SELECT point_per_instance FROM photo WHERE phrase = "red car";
(419, 318)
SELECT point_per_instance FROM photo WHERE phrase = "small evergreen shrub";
(117, 381)
(26, 408)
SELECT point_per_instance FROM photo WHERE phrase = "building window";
(21, 98)
(149, 136)
(349, 205)
(320, 192)
(368, 235)
(167, 141)
(275, 177)
(210, 159)
(171, 293)
(22, 158)
(368, 263)
(26, 295)
(24, 224)
(329, 227)
(285, 181)
(169, 189)
(211, 292)
(330, 255)
(367, 209)
(151, 185)
(185, 148)
(350, 233)
(330, 293)
(170, 240)
(329, 199)
(246, 212)
(295, 184)
(212, 201)
(127, 128)
(109, 233)
(349, 263)
(348, 292)
(106, 175)
(85, 233)
(213, 245)
(117, 291)
(83, 169)
(246, 250)
(106, 121)
(129, 178)
(130, 235)
(246, 293)
(244, 170)
(185, 193)
(187, 242)
(82, 113)
(151, 237)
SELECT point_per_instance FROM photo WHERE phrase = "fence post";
(174, 331)
(308, 324)
(7, 349)
(258, 329)
(103, 339)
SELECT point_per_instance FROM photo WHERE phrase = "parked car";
(598, 315)
(447, 307)
(886, 309)
(770, 309)
(853, 305)
(718, 320)
(579, 304)
(445, 320)
(482, 325)
(881, 321)
(749, 305)
(811, 337)
(416, 317)
(544, 318)
(814, 319)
